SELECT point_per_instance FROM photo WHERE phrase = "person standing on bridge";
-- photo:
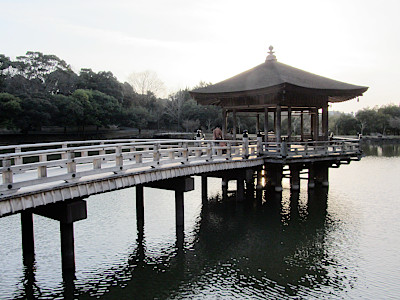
(217, 133)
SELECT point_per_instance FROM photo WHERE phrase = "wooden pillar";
(204, 197)
(28, 241)
(311, 176)
(224, 119)
(240, 189)
(278, 123)
(325, 121)
(224, 185)
(302, 125)
(67, 246)
(139, 204)
(312, 123)
(234, 124)
(289, 129)
(266, 123)
(322, 174)
(316, 125)
(278, 176)
(295, 177)
(179, 211)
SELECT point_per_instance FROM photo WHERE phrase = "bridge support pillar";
(179, 209)
(28, 241)
(278, 176)
(204, 188)
(239, 189)
(139, 204)
(66, 212)
(295, 177)
(180, 186)
(67, 246)
(224, 184)
(322, 174)
(311, 176)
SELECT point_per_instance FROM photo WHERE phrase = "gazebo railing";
(333, 147)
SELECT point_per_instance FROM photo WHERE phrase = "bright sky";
(184, 41)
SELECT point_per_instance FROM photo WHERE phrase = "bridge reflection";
(275, 244)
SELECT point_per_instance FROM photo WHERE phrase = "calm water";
(326, 244)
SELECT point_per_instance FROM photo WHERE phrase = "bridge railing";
(311, 148)
(36, 164)
(57, 163)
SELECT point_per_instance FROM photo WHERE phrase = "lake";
(341, 242)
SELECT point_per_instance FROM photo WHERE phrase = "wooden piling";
(28, 242)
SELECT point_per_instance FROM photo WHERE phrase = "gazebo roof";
(275, 78)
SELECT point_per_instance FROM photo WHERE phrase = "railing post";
(209, 150)
(42, 171)
(71, 164)
(229, 150)
(7, 173)
(284, 148)
(119, 159)
(102, 151)
(259, 144)
(185, 152)
(156, 153)
(18, 159)
(97, 163)
(245, 144)
(171, 154)
(64, 155)
(138, 158)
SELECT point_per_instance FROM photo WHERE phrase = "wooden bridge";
(39, 174)
(52, 179)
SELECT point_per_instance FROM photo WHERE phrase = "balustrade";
(71, 160)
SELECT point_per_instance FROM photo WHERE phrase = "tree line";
(39, 90)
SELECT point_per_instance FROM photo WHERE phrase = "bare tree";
(147, 81)
(174, 107)
(191, 125)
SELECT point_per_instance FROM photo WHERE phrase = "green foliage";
(10, 109)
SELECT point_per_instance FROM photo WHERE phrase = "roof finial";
(271, 56)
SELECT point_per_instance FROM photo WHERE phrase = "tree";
(174, 107)
(69, 111)
(104, 82)
(61, 82)
(36, 112)
(36, 65)
(191, 125)
(347, 124)
(367, 118)
(10, 109)
(5, 64)
(147, 81)
(136, 116)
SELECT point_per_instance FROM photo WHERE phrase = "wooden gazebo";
(273, 87)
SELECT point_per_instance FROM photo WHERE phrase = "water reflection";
(272, 246)
(276, 248)
(385, 150)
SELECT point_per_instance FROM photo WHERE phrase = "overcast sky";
(185, 41)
